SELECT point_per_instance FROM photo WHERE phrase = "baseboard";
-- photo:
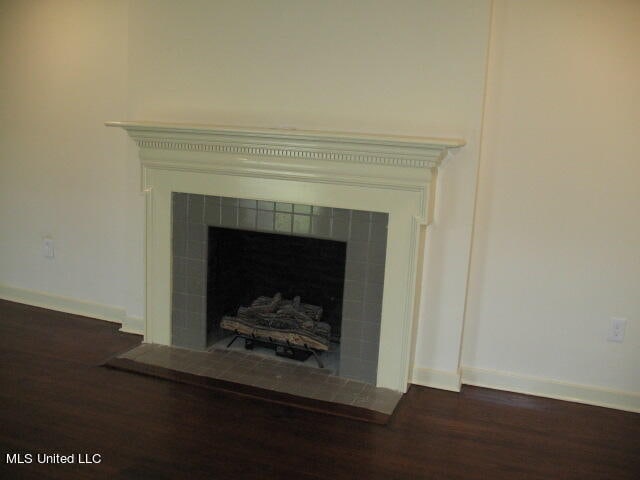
(132, 325)
(545, 387)
(442, 379)
(74, 306)
(428, 377)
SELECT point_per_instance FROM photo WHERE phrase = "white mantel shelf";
(392, 150)
(379, 173)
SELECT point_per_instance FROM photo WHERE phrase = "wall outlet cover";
(47, 247)
(617, 329)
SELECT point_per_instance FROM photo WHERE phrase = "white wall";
(62, 73)
(556, 248)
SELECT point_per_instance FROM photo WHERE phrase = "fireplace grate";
(282, 349)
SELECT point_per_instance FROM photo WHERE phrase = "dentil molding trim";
(398, 151)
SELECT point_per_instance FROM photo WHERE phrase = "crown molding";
(306, 145)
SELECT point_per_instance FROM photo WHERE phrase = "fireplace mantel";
(392, 150)
(392, 174)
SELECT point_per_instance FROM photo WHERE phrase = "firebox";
(245, 265)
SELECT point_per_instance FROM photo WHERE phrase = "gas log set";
(292, 328)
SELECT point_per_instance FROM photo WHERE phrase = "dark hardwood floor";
(56, 398)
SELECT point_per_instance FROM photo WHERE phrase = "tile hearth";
(267, 373)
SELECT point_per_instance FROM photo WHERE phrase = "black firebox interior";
(243, 265)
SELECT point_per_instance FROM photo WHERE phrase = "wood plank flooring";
(56, 398)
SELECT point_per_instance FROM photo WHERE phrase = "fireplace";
(385, 180)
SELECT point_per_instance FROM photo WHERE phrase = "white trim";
(62, 304)
(546, 387)
(74, 306)
(442, 379)
(132, 325)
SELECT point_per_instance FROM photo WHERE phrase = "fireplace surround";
(298, 244)
(385, 174)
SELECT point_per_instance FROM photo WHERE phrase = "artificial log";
(266, 304)
(283, 320)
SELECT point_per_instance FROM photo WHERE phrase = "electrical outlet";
(47, 247)
(616, 330)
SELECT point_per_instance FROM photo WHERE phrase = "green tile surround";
(365, 234)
